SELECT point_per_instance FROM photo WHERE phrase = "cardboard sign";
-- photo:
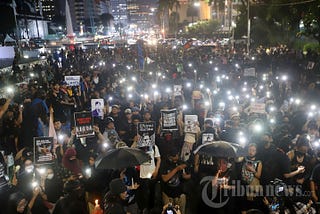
(97, 106)
(169, 119)
(196, 95)
(249, 72)
(42, 150)
(207, 138)
(190, 123)
(146, 133)
(177, 90)
(259, 108)
(72, 80)
(84, 124)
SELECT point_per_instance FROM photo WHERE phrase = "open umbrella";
(121, 158)
(220, 149)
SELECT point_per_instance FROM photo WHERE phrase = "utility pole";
(248, 34)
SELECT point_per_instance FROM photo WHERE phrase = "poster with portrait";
(169, 119)
(42, 150)
(84, 124)
(97, 106)
(177, 90)
(207, 138)
(146, 134)
(190, 123)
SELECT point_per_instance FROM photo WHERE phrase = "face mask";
(29, 169)
(50, 176)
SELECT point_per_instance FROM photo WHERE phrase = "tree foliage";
(278, 21)
(204, 28)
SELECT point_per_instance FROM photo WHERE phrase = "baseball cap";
(127, 111)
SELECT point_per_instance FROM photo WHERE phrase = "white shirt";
(148, 168)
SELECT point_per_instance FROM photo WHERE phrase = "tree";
(311, 21)
(106, 19)
(164, 7)
(272, 23)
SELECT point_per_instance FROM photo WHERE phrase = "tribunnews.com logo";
(219, 197)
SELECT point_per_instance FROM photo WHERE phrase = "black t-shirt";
(174, 187)
(275, 165)
(315, 177)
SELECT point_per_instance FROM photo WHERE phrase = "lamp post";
(248, 33)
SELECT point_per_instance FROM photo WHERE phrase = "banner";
(177, 90)
(169, 119)
(72, 80)
(190, 123)
(207, 138)
(97, 106)
(146, 134)
(84, 124)
(42, 150)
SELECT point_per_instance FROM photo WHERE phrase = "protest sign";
(259, 108)
(177, 90)
(72, 80)
(97, 106)
(169, 119)
(190, 123)
(84, 124)
(249, 72)
(42, 150)
(146, 134)
(207, 138)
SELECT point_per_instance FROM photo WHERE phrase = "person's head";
(115, 109)
(50, 173)
(146, 116)
(57, 124)
(173, 155)
(73, 188)
(109, 123)
(56, 86)
(266, 139)
(128, 113)
(92, 159)
(28, 166)
(235, 118)
(303, 144)
(252, 150)
(17, 203)
(135, 111)
(223, 164)
(70, 154)
(117, 187)
(135, 119)
(208, 123)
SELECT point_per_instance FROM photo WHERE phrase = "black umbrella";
(220, 149)
(121, 158)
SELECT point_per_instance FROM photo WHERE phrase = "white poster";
(97, 106)
(72, 80)
(190, 123)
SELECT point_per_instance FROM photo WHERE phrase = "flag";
(52, 131)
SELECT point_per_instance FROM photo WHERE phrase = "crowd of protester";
(281, 143)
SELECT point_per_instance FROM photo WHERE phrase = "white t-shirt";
(148, 168)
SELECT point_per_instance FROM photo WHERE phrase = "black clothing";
(113, 204)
